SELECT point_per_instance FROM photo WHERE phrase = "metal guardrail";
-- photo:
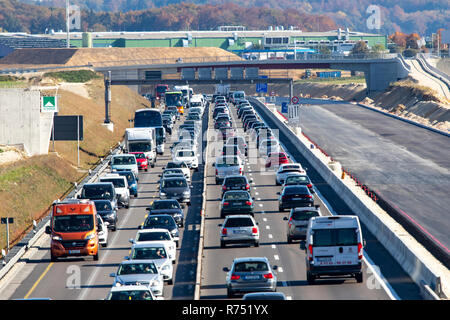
(33, 70)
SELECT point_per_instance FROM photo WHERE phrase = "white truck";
(187, 93)
(222, 89)
(141, 140)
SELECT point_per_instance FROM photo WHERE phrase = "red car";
(141, 159)
(276, 159)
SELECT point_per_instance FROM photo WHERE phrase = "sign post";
(7, 221)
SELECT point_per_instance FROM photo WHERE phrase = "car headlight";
(186, 193)
(90, 236)
(165, 268)
(57, 238)
(162, 194)
(155, 283)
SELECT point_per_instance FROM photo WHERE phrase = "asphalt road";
(409, 166)
(273, 245)
(85, 279)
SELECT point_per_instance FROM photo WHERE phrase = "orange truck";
(73, 229)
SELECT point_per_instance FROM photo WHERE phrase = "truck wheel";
(359, 277)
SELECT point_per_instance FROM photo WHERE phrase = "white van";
(334, 247)
(120, 185)
(237, 96)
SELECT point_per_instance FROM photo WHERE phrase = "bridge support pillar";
(380, 75)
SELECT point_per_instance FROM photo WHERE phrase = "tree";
(360, 48)
(379, 47)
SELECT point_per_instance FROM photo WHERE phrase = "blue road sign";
(261, 87)
(284, 107)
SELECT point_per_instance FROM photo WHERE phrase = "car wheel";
(177, 243)
(146, 170)
(104, 245)
(217, 181)
(96, 257)
(222, 244)
(127, 206)
(310, 278)
(114, 228)
(53, 258)
(230, 293)
(173, 261)
(280, 209)
(256, 243)
(277, 183)
(170, 282)
(136, 195)
(359, 277)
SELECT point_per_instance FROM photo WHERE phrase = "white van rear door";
(347, 246)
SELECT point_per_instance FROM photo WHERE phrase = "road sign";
(284, 107)
(49, 104)
(261, 87)
(7, 220)
(293, 113)
(295, 100)
(67, 128)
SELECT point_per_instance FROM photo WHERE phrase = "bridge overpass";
(379, 69)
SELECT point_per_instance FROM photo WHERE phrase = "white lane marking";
(289, 298)
(276, 257)
(280, 269)
(270, 236)
(268, 227)
(259, 199)
(274, 246)
(256, 193)
(261, 205)
(264, 219)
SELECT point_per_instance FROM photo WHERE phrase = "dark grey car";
(108, 213)
(171, 207)
(175, 188)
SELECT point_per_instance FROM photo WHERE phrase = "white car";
(227, 166)
(120, 185)
(139, 272)
(239, 229)
(268, 146)
(156, 252)
(136, 292)
(285, 169)
(102, 231)
(157, 235)
(187, 156)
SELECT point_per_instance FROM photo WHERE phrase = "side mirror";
(191, 187)
(126, 258)
(274, 267)
(285, 219)
(48, 230)
(131, 241)
(278, 192)
(79, 196)
(219, 225)
(226, 269)
(112, 275)
(214, 164)
(106, 223)
(148, 209)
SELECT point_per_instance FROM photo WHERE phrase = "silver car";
(227, 166)
(239, 229)
(251, 274)
(298, 221)
(143, 272)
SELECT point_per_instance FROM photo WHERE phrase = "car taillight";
(290, 222)
(308, 196)
(217, 172)
(360, 253)
(224, 231)
(240, 170)
(284, 197)
(226, 203)
(247, 186)
(235, 277)
(224, 188)
(254, 230)
(310, 248)
(249, 203)
(309, 185)
(268, 276)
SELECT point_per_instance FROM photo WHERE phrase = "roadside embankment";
(28, 185)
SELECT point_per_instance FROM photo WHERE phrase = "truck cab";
(142, 140)
(73, 229)
(175, 99)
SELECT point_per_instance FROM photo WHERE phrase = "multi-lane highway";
(85, 279)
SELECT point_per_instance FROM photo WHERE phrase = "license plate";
(74, 251)
(251, 277)
(239, 231)
(235, 188)
(297, 198)
(237, 204)
(326, 260)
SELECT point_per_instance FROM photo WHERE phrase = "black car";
(295, 196)
(162, 221)
(218, 110)
(237, 202)
(249, 122)
(107, 212)
(298, 179)
(169, 206)
(236, 182)
(244, 109)
(222, 121)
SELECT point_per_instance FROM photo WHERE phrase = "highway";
(85, 279)
(409, 166)
(273, 244)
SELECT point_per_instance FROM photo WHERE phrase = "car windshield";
(165, 205)
(297, 180)
(118, 183)
(304, 215)
(123, 160)
(251, 266)
(140, 155)
(149, 253)
(335, 237)
(238, 222)
(97, 192)
(131, 295)
(73, 223)
(137, 268)
(103, 205)
(236, 196)
(159, 222)
(173, 99)
(153, 236)
(185, 154)
(175, 183)
(227, 162)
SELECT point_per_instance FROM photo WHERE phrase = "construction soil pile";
(70, 57)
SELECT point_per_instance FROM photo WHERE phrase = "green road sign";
(49, 104)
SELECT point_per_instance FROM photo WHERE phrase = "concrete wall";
(21, 121)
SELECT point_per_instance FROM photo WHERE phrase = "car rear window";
(304, 215)
(165, 205)
(175, 183)
(238, 222)
(118, 183)
(236, 196)
(153, 236)
(335, 237)
(297, 179)
(149, 253)
(235, 180)
(296, 190)
(251, 266)
(227, 162)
